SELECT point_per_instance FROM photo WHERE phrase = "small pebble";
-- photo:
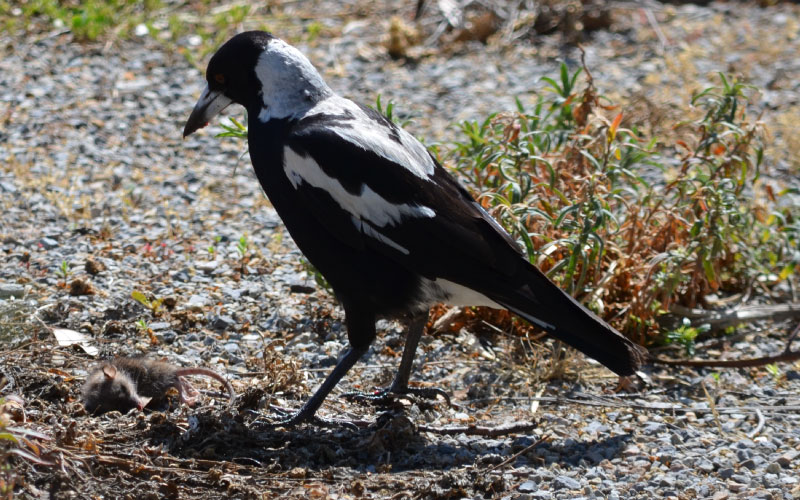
(8, 290)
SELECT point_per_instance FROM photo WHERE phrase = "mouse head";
(110, 389)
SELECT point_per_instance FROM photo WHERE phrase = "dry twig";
(786, 356)
(475, 430)
(517, 454)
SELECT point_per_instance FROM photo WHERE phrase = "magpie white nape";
(376, 214)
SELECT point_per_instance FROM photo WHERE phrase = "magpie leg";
(308, 412)
(416, 326)
(360, 333)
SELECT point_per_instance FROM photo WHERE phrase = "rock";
(740, 478)
(222, 322)
(7, 187)
(631, 451)
(654, 428)
(8, 290)
(787, 458)
(666, 482)
(565, 483)
(595, 427)
(528, 487)
(705, 466)
(301, 288)
(207, 267)
(166, 336)
(48, 243)
(735, 487)
(196, 302)
(725, 473)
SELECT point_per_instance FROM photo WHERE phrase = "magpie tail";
(542, 303)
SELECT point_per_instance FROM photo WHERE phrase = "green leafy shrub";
(623, 222)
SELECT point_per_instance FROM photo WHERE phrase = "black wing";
(368, 199)
(370, 196)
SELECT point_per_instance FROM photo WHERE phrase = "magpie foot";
(389, 395)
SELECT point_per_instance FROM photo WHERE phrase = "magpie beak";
(210, 104)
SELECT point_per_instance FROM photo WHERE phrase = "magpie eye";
(220, 78)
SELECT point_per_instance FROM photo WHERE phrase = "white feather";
(366, 228)
(369, 135)
(367, 205)
(292, 88)
(290, 85)
(448, 292)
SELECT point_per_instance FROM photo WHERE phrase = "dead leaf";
(66, 337)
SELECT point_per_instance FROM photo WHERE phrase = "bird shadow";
(392, 442)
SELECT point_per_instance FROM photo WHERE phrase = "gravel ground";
(94, 174)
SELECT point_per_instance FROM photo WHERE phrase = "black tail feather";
(544, 304)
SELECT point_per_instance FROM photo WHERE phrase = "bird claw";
(302, 417)
(389, 395)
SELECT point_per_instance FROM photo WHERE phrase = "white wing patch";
(367, 205)
(366, 228)
(451, 293)
(448, 292)
(365, 133)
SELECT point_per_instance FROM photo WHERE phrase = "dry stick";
(651, 19)
(720, 319)
(517, 454)
(786, 356)
(760, 425)
(629, 405)
(474, 430)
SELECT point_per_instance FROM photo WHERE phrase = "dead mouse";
(125, 383)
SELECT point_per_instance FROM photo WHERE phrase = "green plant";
(235, 129)
(212, 248)
(319, 279)
(64, 272)
(624, 222)
(153, 305)
(242, 248)
(313, 30)
(773, 370)
(18, 441)
(142, 326)
(88, 19)
(242, 245)
(389, 112)
(685, 335)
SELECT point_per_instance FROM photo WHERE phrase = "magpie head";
(267, 76)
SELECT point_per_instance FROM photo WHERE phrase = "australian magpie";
(375, 213)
